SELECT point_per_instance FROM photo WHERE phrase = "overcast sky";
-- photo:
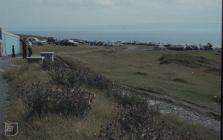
(18, 14)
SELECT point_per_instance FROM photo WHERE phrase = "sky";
(141, 14)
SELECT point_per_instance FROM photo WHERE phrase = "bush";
(43, 99)
(140, 122)
(57, 72)
(185, 60)
(75, 73)
(98, 80)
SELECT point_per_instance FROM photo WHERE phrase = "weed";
(181, 81)
(140, 122)
(185, 60)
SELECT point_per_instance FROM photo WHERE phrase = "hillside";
(121, 82)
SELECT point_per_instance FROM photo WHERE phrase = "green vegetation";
(194, 76)
(53, 124)
(185, 60)
(110, 115)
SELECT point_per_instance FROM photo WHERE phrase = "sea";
(165, 37)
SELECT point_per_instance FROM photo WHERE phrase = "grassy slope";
(59, 127)
(54, 127)
(140, 67)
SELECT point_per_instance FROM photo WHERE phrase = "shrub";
(185, 60)
(179, 80)
(98, 80)
(42, 99)
(140, 122)
(57, 73)
(140, 73)
(62, 72)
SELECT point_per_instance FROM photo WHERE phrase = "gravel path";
(4, 64)
(189, 112)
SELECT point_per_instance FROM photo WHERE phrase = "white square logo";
(11, 129)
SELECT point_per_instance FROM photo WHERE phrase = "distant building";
(7, 42)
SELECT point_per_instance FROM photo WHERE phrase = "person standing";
(24, 53)
(13, 51)
(29, 48)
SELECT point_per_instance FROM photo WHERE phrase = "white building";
(8, 41)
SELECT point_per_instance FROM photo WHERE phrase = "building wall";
(1, 45)
(0, 33)
(9, 40)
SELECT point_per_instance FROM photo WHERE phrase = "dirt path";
(4, 64)
(187, 111)
(190, 112)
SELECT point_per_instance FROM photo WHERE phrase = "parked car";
(209, 46)
(67, 43)
(175, 47)
(36, 41)
(51, 40)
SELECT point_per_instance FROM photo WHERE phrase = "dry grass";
(140, 67)
(52, 126)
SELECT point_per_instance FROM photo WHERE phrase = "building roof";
(11, 34)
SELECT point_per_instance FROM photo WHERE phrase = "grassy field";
(140, 67)
(133, 66)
